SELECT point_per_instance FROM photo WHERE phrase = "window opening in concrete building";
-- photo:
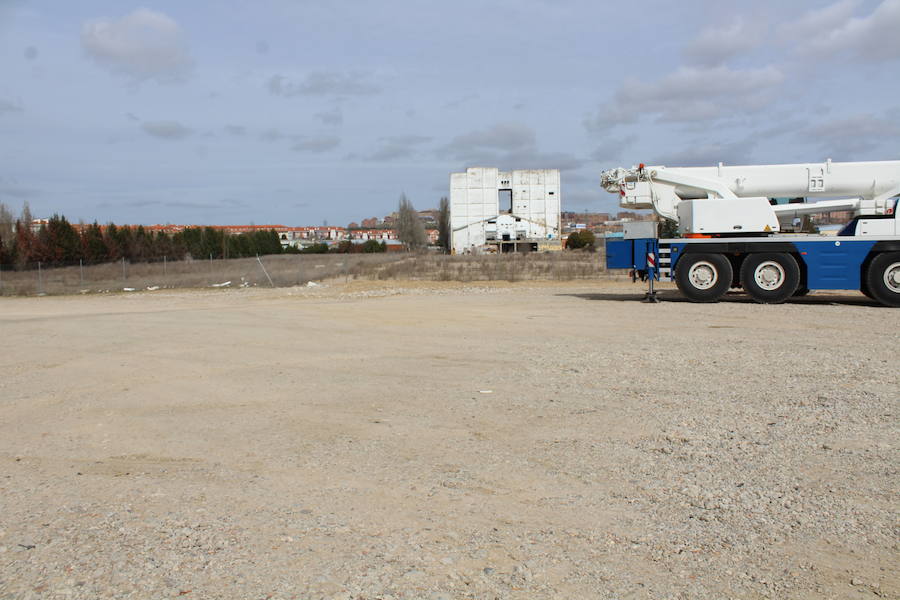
(506, 201)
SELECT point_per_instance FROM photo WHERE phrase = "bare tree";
(410, 229)
(444, 225)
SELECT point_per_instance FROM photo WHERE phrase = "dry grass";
(290, 270)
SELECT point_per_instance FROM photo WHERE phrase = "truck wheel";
(770, 277)
(864, 288)
(703, 277)
(883, 278)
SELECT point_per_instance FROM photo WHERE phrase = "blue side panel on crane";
(833, 265)
(642, 247)
(676, 251)
(629, 254)
(619, 254)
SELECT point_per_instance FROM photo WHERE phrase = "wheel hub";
(769, 275)
(892, 277)
(703, 275)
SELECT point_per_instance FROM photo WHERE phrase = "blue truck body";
(826, 262)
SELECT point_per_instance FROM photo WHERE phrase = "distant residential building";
(372, 234)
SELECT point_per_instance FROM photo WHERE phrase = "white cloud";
(866, 125)
(689, 94)
(705, 154)
(168, 130)
(715, 45)
(507, 137)
(507, 145)
(271, 135)
(322, 83)
(872, 38)
(610, 149)
(317, 144)
(817, 22)
(856, 137)
(333, 116)
(15, 191)
(398, 146)
(8, 106)
(144, 45)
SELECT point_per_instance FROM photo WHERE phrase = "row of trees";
(59, 242)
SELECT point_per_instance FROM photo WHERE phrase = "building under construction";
(505, 211)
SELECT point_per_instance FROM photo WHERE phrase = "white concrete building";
(509, 210)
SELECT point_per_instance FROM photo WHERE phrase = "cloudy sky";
(297, 112)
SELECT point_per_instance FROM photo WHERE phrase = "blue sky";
(297, 112)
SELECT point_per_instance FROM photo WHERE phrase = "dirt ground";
(444, 441)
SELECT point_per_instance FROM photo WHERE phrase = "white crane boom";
(866, 188)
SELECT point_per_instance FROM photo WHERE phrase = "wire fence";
(292, 270)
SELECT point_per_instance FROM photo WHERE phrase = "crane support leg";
(652, 274)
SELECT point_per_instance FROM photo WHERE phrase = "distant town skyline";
(299, 112)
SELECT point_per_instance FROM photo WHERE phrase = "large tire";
(770, 277)
(703, 277)
(883, 278)
(864, 288)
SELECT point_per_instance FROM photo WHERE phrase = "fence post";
(81, 270)
(40, 279)
(264, 270)
(123, 270)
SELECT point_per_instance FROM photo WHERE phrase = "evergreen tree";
(111, 239)
(371, 246)
(59, 242)
(583, 238)
(191, 240)
(126, 242)
(274, 242)
(668, 229)
(140, 245)
(211, 243)
(94, 249)
(315, 249)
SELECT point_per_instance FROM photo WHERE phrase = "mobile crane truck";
(733, 230)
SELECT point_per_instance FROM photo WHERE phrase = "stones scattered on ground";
(674, 461)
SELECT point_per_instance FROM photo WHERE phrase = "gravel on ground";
(439, 441)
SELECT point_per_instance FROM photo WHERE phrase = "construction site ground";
(444, 440)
